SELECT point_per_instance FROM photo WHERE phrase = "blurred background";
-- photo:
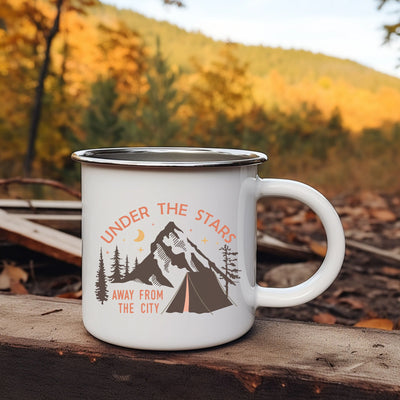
(312, 84)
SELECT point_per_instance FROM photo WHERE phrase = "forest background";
(79, 74)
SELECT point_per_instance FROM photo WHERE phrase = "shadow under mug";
(169, 245)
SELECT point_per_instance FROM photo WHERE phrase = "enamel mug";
(169, 245)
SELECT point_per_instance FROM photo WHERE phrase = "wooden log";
(42, 239)
(47, 354)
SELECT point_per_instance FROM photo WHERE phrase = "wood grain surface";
(46, 353)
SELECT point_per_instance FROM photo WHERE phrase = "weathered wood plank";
(49, 354)
(51, 217)
(40, 238)
(388, 255)
(40, 204)
(270, 245)
(69, 223)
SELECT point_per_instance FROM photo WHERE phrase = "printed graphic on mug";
(161, 268)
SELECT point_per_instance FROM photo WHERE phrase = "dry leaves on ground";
(367, 291)
(12, 278)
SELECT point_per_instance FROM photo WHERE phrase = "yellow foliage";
(360, 108)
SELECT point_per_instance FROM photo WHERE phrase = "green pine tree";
(101, 120)
(158, 121)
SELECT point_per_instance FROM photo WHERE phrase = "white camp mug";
(169, 245)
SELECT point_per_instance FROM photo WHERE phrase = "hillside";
(294, 65)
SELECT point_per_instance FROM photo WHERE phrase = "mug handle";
(330, 267)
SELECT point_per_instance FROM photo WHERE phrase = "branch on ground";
(41, 181)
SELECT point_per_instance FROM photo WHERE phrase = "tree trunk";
(39, 92)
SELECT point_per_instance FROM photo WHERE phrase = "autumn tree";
(392, 30)
(123, 59)
(39, 90)
(28, 38)
(49, 28)
(101, 281)
(221, 93)
(19, 62)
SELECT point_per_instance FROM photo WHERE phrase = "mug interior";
(169, 156)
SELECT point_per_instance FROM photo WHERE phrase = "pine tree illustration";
(231, 270)
(116, 267)
(101, 282)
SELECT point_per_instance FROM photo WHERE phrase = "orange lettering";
(208, 217)
(127, 219)
(110, 236)
(215, 225)
(134, 215)
(183, 210)
(143, 211)
(199, 215)
(224, 230)
(231, 236)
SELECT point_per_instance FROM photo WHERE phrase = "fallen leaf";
(383, 215)
(5, 281)
(318, 248)
(16, 274)
(260, 208)
(344, 291)
(359, 234)
(393, 284)
(71, 295)
(11, 274)
(278, 228)
(377, 323)
(18, 288)
(354, 212)
(310, 215)
(296, 219)
(324, 318)
(392, 233)
(372, 200)
(391, 271)
(260, 225)
(354, 303)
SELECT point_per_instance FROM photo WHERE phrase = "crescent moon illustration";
(140, 236)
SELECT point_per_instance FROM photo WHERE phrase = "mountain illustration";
(170, 249)
(200, 290)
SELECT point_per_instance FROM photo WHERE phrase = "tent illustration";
(199, 292)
